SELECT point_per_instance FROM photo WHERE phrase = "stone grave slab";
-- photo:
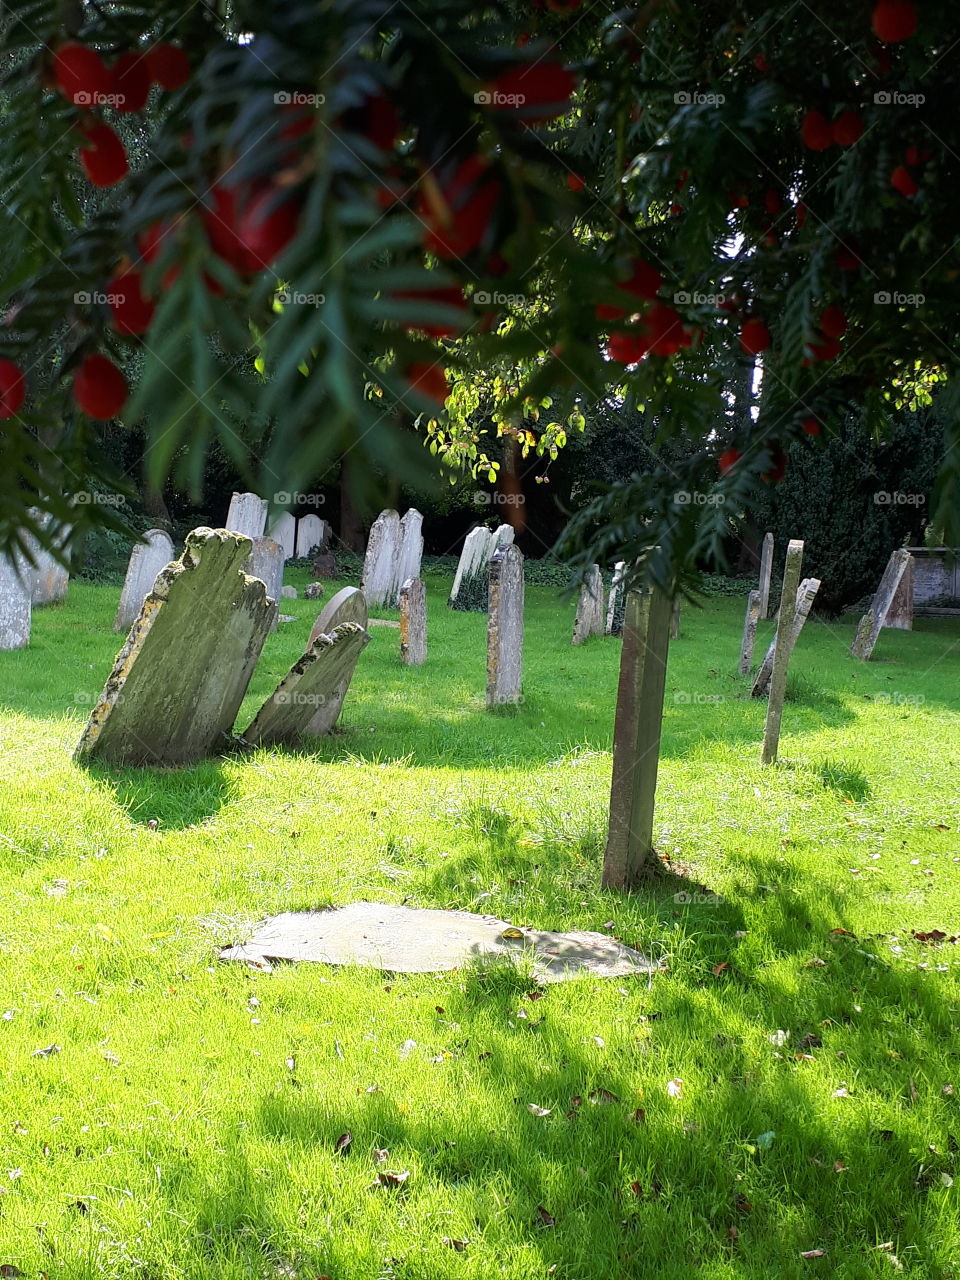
(308, 699)
(146, 560)
(615, 600)
(806, 594)
(409, 550)
(283, 529)
(49, 579)
(469, 591)
(900, 614)
(377, 581)
(265, 562)
(766, 572)
(870, 624)
(348, 605)
(420, 940)
(413, 622)
(311, 532)
(589, 620)
(505, 628)
(178, 681)
(15, 603)
(247, 515)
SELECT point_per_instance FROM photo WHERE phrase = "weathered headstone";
(247, 515)
(266, 563)
(288, 593)
(348, 605)
(311, 533)
(874, 618)
(283, 529)
(49, 578)
(409, 550)
(181, 674)
(413, 622)
(325, 565)
(766, 570)
(146, 560)
(379, 562)
(629, 854)
(308, 699)
(749, 632)
(615, 600)
(505, 628)
(502, 537)
(589, 618)
(470, 579)
(806, 594)
(15, 603)
(675, 620)
(781, 651)
(900, 614)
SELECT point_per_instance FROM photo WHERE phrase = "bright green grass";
(172, 1139)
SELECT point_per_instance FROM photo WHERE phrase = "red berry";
(772, 202)
(130, 82)
(848, 128)
(848, 258)
(761, 63)
(429, 380)
(894, 20)
(267, 225)
(13, 389)
(811, 426)
(833, 322)
(729, 458)
(221, 221)
(131, 311)
(739, 200)
(816, 131)
(801, 214)
(916, 155)
(754, 337)
(778, 470)
(542, 90)
(563, 6)
(153, 241)
(81, 75)
(575, 182)
(102, 155)
(903, 180)
(628, 348)
(459, 210)
(169, 66)
(664, 327)
(829, 349)
(645, 280)
(99, 388)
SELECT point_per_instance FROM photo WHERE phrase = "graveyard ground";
(790, 1083)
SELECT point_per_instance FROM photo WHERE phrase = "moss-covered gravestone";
(180, 677)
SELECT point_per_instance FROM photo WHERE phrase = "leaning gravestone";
(589, 619)
(413, 622)
(505, 628)
(15, 604)
(782, 646)
(178, 681)
(469, 591)
(754, 601)
(348, 605)
(875, 617)
(806, 594)
(146, 560)
(266, 563)
(311, 532)
(283, 529)
(409, 550)
(377, 581)
(615, 600)
(247, 515)
(900, 614)
(308, 699)
(766, 570)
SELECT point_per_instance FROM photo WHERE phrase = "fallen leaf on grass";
(675, 1088)
(743, 1204)
(47, 1052)
(9, 1272)
(639, 1116)
(719, 968)
(457, 1245)
(343, 1142)
(603, 1097)
(537, 1111)
(637, 1189)
(842, 1092)
(947, 1090)
(810, 1041)
(733, 1233)
(815, 963)
(931, 935)
(380, 1155)
(545, 1216)
(391, 1178)
(813, 1253)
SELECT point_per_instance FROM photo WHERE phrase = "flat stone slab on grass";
(418, 940)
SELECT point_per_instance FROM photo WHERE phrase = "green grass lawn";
(187, 1126)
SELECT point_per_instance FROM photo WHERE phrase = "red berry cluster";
(653, 327)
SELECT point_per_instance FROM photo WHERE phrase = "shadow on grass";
(173, 798)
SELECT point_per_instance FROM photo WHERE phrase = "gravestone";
(629, 855)
(589, 619)
(308, 699)
(266, 563)
(615, 600)
(409, 550)
(49, 578)
(766, 570)
(283, 529)
(806, 594)
(179, 679)
(15, 603)
(348, 605)
(325, 565)
(502, 537)
(874, 618)
(312, 533)
(247, 515)
(900, 614)
(749, 632)
(146, 560)
(288, 593)
(781, 651)
(413, 622)
(380, 560)
(505, 628)
(470, 579)
(675, 620)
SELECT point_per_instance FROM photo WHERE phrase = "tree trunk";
(351, 519)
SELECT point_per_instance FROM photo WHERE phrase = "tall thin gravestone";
(781, 652)
(49, 578)
(311, 532)
(146, 560)
(266, 563)
(15, 604)
(766, 570)
(505, 628)
(630, 854)
(875, 617)
(675, 620)
(471, 568)
(409, 551)
(413, 622)
(283, 529)
(247, 515)
(615, 600)
(806, 594)
(749, 632)
(589, 619)
(380, 560)
(900, 614)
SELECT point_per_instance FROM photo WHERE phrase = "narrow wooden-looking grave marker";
(629, 854)
(505, 628)
(806, 594)
(781, 652)
(413, 622)
(766, 570)
(875, 617)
